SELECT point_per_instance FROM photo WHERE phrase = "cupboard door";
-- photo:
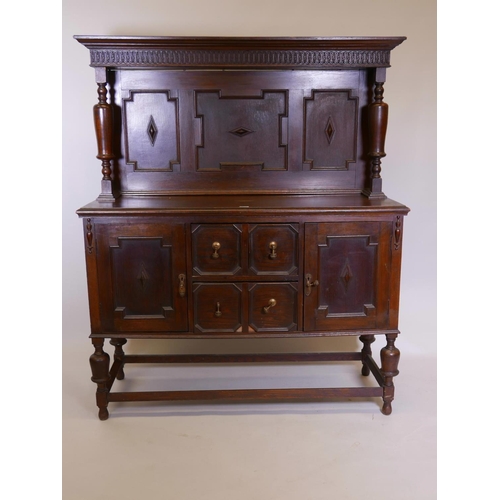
(347, 273)
(142, 277)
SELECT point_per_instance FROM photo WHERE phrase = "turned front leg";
(389, 357)
(99, 364)
(366, 351)
(118, 356)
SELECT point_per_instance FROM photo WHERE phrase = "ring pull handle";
(310, 284)
(273, 246)
(216, 247)
(218, 313)
(272, 303)
(182, 285)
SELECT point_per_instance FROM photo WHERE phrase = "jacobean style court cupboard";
(242, 198)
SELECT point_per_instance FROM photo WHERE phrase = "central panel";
(241, 133)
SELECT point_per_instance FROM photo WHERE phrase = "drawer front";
(273, 249)
(272, 307)
(217, 307)
(216, 249)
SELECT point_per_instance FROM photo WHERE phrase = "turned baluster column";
(119, 354)
(378, 114)
(103, 122)
(389, 357)
(99, 364)
(366, 351)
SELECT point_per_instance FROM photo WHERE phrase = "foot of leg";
(366, 351)
(99, 364)
(389, 357)
(118, 356)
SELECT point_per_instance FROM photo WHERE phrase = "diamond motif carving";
(152, 130)
(241, 131)
(346, 275)
(143, 276)
(329, 130)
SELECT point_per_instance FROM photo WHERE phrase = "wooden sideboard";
(241, 197)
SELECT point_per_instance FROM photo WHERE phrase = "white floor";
(266, 451)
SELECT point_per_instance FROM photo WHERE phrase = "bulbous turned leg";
(389, 357)
(99, 364)
(366, 351)
(118, 356)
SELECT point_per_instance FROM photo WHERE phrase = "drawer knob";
(216, 247)
(310, 284)
(218, 313)
(272, 303)
(273, 246)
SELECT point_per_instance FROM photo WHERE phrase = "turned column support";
(389, 357)
(103, 122)
(378, 113)
(99, 364)
(119, 354)
(366, 351)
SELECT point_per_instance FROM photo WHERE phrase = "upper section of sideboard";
(211, 115)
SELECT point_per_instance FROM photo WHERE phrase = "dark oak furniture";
(242, 198)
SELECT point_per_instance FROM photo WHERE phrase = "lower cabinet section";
(159, 276)
(245, 307)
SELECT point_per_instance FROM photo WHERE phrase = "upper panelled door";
(142, 277)
(347, 280)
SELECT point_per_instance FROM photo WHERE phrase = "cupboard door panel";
(348, 268)
(142, 277)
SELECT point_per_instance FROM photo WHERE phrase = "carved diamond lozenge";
(152, 130)
(329, 130)
(241, 131)
(346, 275)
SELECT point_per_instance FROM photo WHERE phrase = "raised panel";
(152, 140)
(217, 307)
(238, 132)
(347, 268)
(142, 278)
(273, 249)
(330, 129)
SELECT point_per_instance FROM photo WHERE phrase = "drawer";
(217, 307)
(272, 307)
(216, 249)
(245, 307)
(273, 249)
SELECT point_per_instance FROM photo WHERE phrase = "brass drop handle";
(272, 303)
(310, 284)
(218, 313)
(216, 247)
(182, 285)
(273, 246)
